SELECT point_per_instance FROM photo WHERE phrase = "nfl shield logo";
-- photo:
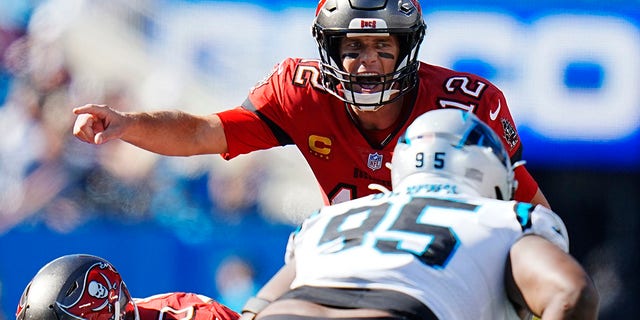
(375, 161)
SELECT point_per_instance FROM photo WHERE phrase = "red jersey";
(291, 107)
(183, 306)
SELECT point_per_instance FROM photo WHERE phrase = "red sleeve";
(498, 117)
(186, 306)
(527, 186)
(495, 112)
(264, 119)
(245, 132)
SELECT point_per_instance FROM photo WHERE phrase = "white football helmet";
(452, 146)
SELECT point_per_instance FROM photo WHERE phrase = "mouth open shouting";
(367, 83)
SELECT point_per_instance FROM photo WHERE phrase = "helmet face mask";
(337, 19)
(454, 147)
(77, 287)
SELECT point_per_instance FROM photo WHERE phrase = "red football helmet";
(77, 287)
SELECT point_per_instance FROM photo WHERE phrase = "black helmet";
(77, 287)
(335, 19)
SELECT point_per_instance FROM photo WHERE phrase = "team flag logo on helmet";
(101, 294)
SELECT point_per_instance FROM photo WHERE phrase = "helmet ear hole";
(72, 288)
(499, 193)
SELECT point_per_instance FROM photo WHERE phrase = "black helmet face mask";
(337, 20)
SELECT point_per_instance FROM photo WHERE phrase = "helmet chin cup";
(369, 101)
(396, 84)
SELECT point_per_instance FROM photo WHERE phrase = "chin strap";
(253, 306)
(378, 187)
(370, 100)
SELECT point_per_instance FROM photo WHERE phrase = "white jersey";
(448, 252)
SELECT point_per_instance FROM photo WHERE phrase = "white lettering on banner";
(231, 46)
(613, 110)
(530, 62)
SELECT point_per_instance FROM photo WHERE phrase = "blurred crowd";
(48, 175)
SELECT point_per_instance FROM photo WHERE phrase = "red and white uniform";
(291, 107)
(183, 306)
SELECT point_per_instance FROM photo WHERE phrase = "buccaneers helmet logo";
(101, 294)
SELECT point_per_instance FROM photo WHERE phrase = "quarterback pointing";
(344, 111)
(446, 243)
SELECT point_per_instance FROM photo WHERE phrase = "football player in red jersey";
(87, 287)
(344, 111)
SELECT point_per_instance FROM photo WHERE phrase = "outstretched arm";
(528, 189)
(277, 285)
(172, 132)
(549, 281)
(539, 198)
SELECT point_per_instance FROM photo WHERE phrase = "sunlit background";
(569, 69)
